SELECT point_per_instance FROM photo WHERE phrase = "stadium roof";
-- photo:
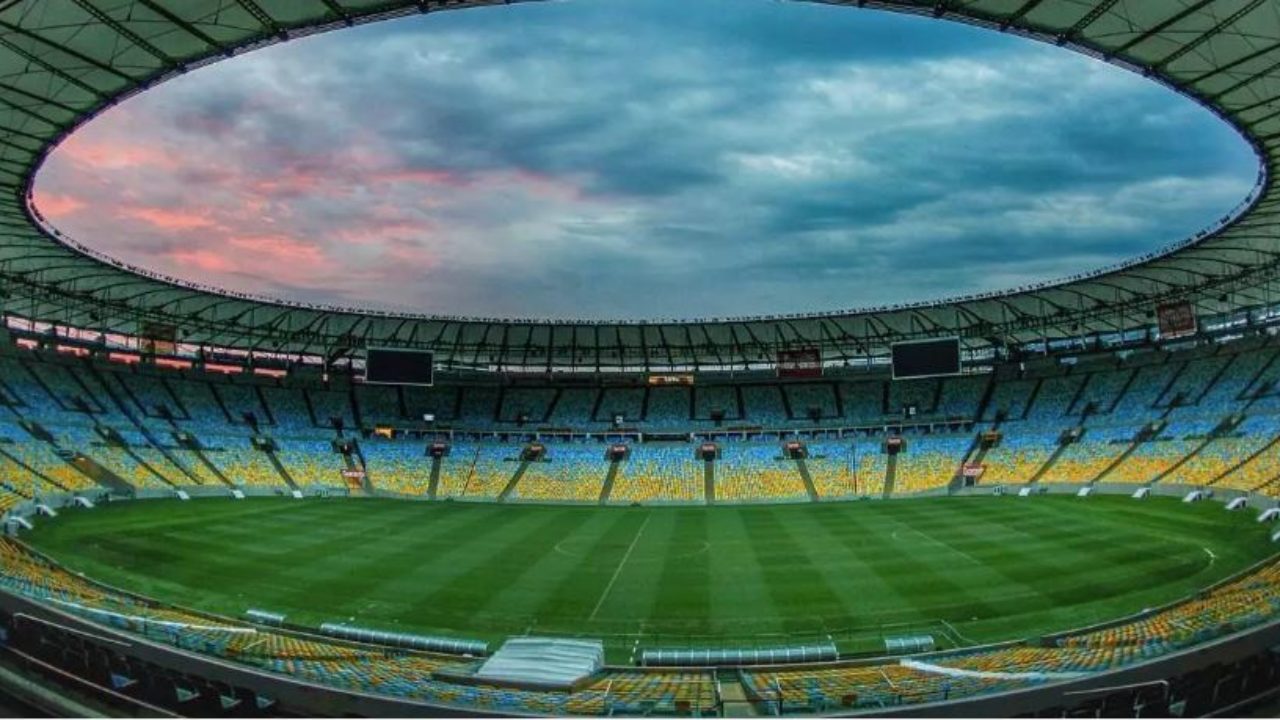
(63, 61)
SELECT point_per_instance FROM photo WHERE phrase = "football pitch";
(966, 570)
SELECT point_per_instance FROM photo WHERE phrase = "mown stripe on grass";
(1071, 567)
(475, 575)
(680, 603)
(801, 598)
(910, 577)
(564, 584)
(739, 589)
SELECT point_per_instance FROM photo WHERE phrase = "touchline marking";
(618, 570)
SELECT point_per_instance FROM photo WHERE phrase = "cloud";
(166, 219)
(673, 158)
(55, 206)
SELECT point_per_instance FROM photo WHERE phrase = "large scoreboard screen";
(1176, 319)
(398, 367)
(926, 358)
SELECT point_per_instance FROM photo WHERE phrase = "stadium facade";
(1157, 376)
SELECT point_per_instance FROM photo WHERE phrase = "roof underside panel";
(63, 61)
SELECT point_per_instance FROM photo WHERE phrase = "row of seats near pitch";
(1024, 453)
(929, 462)
(657, 475)
(1248, 601)
(614, 692)
(1080, 463)
(755, 471)
(1248, 459)
(662, 473)
(1184, 452)
(310, 462)
(572, 472)
(472, 471)
(141, 463)
(241, 463)
(840, 471)
(746, 471)
(42, 461)
(398, 467)
(1020, 455)
(1087, 458)
(858, 687)
(1245, 602)
(349, 666)
(478, 471)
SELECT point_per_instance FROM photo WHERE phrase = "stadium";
(1059, 500)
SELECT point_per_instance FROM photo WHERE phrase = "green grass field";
(966, 569)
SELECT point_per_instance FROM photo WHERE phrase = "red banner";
(973, 470)
(804, 362)
(354, 478)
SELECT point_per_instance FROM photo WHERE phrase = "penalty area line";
(618, 570)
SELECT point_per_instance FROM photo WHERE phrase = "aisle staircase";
(433, 486)
(147, 466)
(281, 470)
(349, 462)
(96, 472)
(609, 477)
(1052, 459)
(214, 469)
(1265, 448)
(515, 480)
(890, 475)
(1147, 433)
(803, 469)
(32, 472)
(709, 481)
(974, 455)
(1223, 428)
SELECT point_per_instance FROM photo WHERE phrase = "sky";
(615, 159)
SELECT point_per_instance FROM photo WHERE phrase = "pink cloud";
(116, 154)
(379, 228)
(298, 181)
(410, 256)
(420, 176)
(53, 206)
(282, 248)
(354, 223)
(202, 259)
(168, 219)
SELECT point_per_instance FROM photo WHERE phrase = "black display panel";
(926, 358)
(398, 367)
